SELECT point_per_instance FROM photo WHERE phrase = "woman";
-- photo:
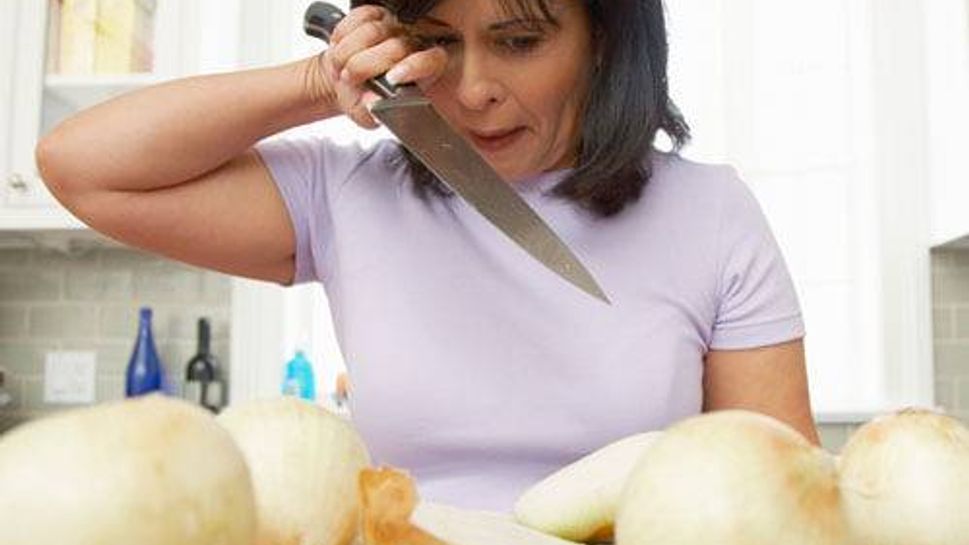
(472, 366)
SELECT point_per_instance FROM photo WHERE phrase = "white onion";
(579, 501)
(304, 462)
(905, 479)
(151, 471)
(732, 478)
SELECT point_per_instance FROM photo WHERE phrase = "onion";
(151, 471)
(579, 501)
(732, 478)
(304, 462)
(905, 480)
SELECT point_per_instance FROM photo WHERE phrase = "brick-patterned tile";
(63, 321)
(112, 356)
(962, 395)
(96, 285)
(25, 357)
(16, 258)
(30, 285)
(951, 360)
(960, 328)
(13, 321)
(959, 259)
(49, 259)
(943, 323)
(90, 301)
(168, 285)
(217, 288)
(128, 259)
(951, 287)
(945, 393)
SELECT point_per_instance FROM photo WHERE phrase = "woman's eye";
(427, 42)
(520, 44)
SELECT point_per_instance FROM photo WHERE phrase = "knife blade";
(411, 117)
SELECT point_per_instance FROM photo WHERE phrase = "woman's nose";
(478, 86)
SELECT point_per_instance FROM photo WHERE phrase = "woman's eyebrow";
(527, 23)
(432, 20)
(520, 22)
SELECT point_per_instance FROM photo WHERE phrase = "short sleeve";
(308, 172)
(757, 302)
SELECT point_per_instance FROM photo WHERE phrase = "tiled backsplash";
(88, 300)
(950, 304)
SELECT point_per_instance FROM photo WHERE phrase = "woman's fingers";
(370, 42)
(374, 61)
(355, 18)
(423, 67)
(360, 112)
(367, 35)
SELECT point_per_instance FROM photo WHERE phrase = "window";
(820, 106)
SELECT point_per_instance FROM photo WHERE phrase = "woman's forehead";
(538, 9)
(529, 9)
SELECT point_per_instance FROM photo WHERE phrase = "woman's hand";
(369, 42)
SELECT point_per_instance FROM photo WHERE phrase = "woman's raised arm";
(170, 169)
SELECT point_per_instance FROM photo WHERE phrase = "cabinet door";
(72, 54)
(8, 20)
(26, 199)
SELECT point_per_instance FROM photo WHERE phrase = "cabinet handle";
(18, 183)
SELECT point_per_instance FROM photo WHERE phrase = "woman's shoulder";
(320, 156)
(674, 175)
(670, 167)
(316, 146)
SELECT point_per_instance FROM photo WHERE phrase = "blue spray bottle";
(298, 379)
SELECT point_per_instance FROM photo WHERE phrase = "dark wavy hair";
(627, 105)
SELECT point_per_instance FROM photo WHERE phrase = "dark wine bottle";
(203, 381)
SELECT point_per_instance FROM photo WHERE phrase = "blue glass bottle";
(299, 380)
(145, 373)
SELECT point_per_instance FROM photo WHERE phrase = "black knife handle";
(320, 20)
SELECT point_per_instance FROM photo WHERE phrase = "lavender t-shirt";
(479, 371)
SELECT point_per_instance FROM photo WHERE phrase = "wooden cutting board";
(466, 527)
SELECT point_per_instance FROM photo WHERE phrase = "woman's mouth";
(496, 141)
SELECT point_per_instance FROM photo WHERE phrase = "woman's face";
(514, 87)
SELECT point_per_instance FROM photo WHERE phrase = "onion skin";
(304, 463)
(905, 480)
(579, 501)
(732, 478)
(389, 497)
(149, 470)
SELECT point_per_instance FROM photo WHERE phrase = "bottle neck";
(204, 337)
(144, 326)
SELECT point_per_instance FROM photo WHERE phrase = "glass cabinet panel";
(87, 37)
(96, 49)
(68, 55)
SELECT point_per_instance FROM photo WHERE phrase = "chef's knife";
(407, 113)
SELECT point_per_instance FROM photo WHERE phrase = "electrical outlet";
(69, 377)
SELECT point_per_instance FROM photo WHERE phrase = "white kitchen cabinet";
(183, 37)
